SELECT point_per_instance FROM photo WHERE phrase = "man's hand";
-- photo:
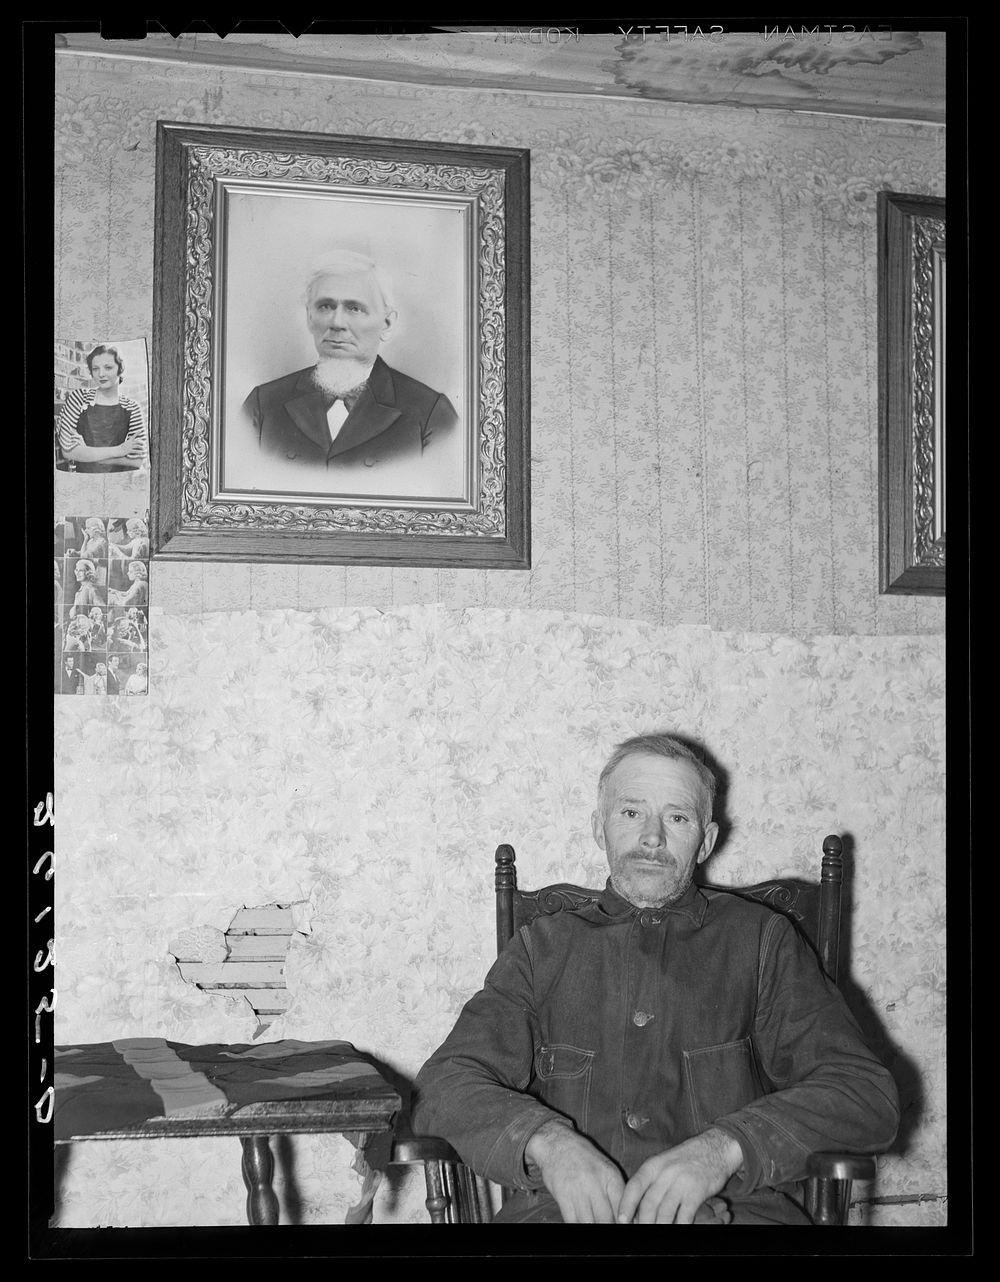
(586, 1185)
(670, 1187)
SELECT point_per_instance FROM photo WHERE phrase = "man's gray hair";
(340, 261)
(657, 745)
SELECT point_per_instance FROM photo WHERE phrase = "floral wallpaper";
(365, 762)
(704, 349)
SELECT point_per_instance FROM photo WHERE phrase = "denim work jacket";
(644, 1027)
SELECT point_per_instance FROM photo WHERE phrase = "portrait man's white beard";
(338, 374)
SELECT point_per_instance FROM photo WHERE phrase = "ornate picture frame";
(261, 237)
(912, 441)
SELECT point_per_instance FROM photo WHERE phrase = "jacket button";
(635, 1120)
(291, 456)
(641, 1018)
(370, 461)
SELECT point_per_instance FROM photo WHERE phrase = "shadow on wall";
(902, 1066)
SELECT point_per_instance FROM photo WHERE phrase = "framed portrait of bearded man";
(342, 350)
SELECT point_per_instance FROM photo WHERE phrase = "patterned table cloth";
(111, 1086)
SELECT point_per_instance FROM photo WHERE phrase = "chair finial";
(832, 865)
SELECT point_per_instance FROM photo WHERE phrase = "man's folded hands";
(677, 1186)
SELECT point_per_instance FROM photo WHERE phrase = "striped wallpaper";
(704, 361)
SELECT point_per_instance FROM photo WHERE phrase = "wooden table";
(148, 1088)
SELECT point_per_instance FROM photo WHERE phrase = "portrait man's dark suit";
(394, 417)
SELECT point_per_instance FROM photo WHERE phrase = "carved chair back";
(814, 907)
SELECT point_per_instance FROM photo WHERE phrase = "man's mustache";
(663, 860)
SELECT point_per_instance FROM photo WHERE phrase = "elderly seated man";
(670, 1054)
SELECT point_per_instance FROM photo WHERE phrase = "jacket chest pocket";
(563, 1075)
(720, 1079)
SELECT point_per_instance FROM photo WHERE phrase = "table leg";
(258, 1170)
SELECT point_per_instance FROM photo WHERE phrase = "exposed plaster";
(247, 960)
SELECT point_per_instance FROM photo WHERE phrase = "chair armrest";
(841, 1166)
(452, 1193)
(422, 1148)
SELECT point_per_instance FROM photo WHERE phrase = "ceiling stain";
(837, 71)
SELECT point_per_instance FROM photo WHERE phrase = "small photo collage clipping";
(101, 587)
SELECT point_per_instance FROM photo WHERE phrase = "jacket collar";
(374, 411)
(614, 907)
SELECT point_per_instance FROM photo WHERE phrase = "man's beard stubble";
(630, 888)
(338, 374)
